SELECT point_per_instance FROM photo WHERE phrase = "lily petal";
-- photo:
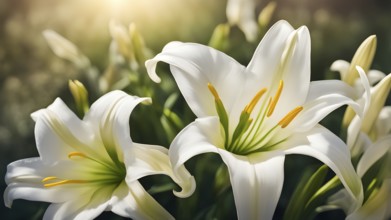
(194, 66)
(109, 117)
(24, 179)
(87, 206)
(325, 146)
(284, 54)
(342, 66)
(256, 183)
(134, 202)
(58, 131)
(199, 135)
(383, 123)
(324, 97)
(373, 154)
(152, 159)
(375, 76)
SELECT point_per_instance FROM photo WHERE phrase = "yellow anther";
(58, 181)
(76, 154)
(213, 91)
(49, 178)
(249, 108)
(290, 116)
(275, 99)
(62, 182)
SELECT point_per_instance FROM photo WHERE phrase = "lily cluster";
(251, 116)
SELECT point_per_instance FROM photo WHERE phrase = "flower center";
(104, 173)
(252, 133)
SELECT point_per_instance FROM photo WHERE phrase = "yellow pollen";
(59, 181)
(290, 116)
(249, 108)
(49, 178)
(275, 99)
(213, 91)
(76, 154)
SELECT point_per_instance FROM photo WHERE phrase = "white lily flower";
(378, 204)
(253, 116)
(242, 13)
(89, 166)
(369, 139)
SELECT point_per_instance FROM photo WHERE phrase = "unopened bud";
(80, 95)
(363, 58)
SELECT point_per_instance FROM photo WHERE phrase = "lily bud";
(65, 49)
(220, 37)
(363, 58)
(80, 95)
(138, 44)
(378, 99)
(266, 14)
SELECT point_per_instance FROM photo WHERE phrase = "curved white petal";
(109, 117)
(88, 205)
(341, 66)
(361, 141)
(323, 145)
(267, 56)
(194, 66)
(196, 138)
(152, 159)
(284, 54)
(383, 123)
(373, 154)
(58, 131)
(256, 183)
(375, 76)
(134, 202)
(324, 97)
(24, 180)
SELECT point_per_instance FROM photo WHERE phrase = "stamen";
(76, 154)
(275, 99)
(49, 178)
(213, 91)
(59, 182)
(290, 116)
(62, 182)
(221, 111)
(249, 108)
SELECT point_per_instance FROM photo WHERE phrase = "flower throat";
(249, 136)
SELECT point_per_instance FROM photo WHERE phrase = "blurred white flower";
(253, 116)
(65, 49)
(242, 13)
(89, 166)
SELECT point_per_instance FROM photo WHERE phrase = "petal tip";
(151, 69)
(188, 188)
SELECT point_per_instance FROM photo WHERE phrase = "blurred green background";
(31, 76)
